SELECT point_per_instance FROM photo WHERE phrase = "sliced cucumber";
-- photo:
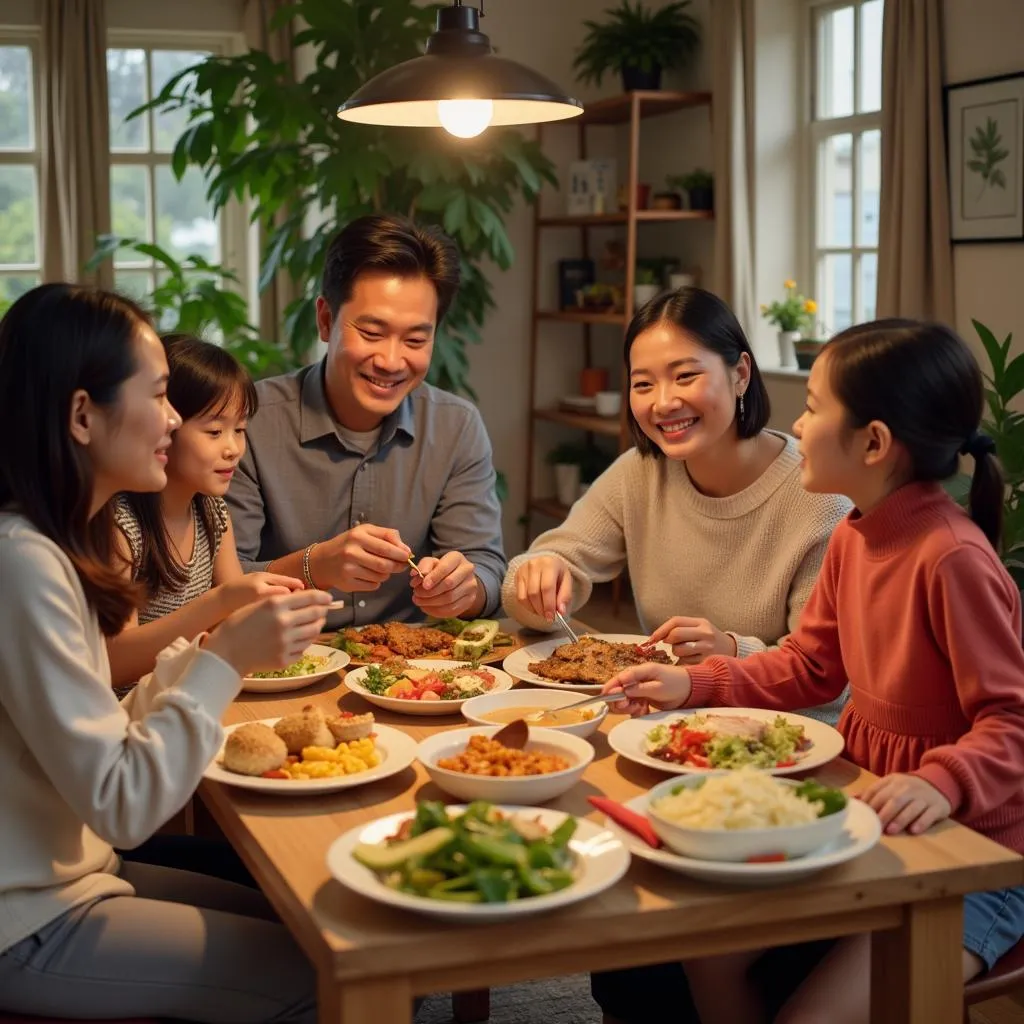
(387, 857)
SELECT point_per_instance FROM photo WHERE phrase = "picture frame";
(985, 151)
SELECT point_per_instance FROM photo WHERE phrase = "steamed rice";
(746, 798)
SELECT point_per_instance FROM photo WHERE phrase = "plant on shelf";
(791, 315)
(1004, 381)
(196, 297)
(638, 44)
(697, 185)
(262, 135)
(646, 283)
(600, 298)
(576, 464)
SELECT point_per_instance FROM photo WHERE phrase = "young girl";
(914, 608)
(179, 543)
(83, 382)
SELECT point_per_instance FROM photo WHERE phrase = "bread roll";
(253, 749)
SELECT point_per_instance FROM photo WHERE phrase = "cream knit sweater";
(82, 773)
(746, 562)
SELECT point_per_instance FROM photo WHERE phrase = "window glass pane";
(129, 205)
(870, 185)
(868, 284)
(835, 291)
(19, 216)
(17, 123)
(870, 56)
(835, 195)
(185, 224)
(13, 286)
(136, 284)
(127, 88)
(835, 63)
(168, 126)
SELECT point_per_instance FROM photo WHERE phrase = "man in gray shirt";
(355, 464)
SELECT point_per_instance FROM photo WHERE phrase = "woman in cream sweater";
(83, 406)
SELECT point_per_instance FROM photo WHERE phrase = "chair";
(1006, 977)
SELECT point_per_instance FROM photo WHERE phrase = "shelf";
(607, 425)
(597, 220)
(653, 103)
(549, 507)
(573, 317)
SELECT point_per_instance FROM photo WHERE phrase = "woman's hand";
(271, 633)
(693, 640)
(544, 585)
(254, 586)
(651, 685)
(906, 803)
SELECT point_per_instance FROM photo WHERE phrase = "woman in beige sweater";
(84, 412)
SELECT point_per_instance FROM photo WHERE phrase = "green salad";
(722, 740)
(304, 666)
(479, 856)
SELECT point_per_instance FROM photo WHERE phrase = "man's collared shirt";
(429, 476)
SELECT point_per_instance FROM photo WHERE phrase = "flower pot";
(666, 201)
(643, 293)
(787, 355)
(806, 352)
(702, 198)
(638, 79)
(567, 483)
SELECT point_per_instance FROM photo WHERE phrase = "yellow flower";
(789, 283)
(764, 308)
(810, 306)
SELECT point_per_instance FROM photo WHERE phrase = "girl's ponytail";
(988, 488)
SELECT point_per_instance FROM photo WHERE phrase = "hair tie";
(978, 444)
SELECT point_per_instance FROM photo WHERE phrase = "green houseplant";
(638, 44)
(259, 134)
(698, 186)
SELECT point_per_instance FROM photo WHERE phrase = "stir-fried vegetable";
(481, 856)
(304, 666)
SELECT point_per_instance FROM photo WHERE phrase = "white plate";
(861, 832)
(627, 739)
(601, 860)
(517, 664)
(397, 751)
(354, 681)
(336, 660)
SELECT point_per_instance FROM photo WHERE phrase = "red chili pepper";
(627, 818)
(785, 764)
(275, 773)
(766, 858)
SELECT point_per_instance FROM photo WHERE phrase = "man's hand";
(358, 560)
(449, 587)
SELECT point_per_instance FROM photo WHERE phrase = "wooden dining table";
(371, 960)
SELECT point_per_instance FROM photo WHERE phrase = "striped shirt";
(199, 566)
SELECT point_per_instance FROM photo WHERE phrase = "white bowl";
(741, 844)
(336, 661)
(403, 706)
(608, 403)
(507, 789)
(476, 707)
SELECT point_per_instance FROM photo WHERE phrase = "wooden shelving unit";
(626, 109)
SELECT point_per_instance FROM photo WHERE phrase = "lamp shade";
(458, 78)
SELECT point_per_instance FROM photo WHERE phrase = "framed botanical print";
(985, 129)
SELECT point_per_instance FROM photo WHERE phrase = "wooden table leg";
(471, 1007)
(916, 969)
(387, 1001)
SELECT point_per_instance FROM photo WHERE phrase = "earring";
(741, 406)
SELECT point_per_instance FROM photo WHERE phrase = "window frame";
(234, 229)
(818, 130)
(31, 38)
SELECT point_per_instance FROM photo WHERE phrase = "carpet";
(551, 1001)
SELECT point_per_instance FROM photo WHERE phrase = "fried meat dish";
(593, 662)
(404, 641)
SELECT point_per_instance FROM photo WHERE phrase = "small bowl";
(608, 403)
(508, 789)
(475, 708)
(722, 844)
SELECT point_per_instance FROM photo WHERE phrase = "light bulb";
(465, 119)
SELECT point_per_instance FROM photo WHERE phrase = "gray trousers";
(186, 946)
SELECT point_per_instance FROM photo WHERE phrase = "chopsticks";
(415, 568)
(566, 628)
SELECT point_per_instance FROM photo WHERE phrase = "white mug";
(608, 403)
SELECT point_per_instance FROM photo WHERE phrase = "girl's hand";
(544, 584)
(693, 640)
(271, 633)
(906, 803)
(651, 685)
(255, 586)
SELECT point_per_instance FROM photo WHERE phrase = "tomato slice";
(766, 858)
(275, 773)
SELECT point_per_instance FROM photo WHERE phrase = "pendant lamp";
(459, 85)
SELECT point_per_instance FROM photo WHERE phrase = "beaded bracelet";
(305, 567)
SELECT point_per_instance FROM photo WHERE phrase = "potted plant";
(791, 315)
(698, 186)
(638, 43)
(806, 351)
(568, 459)
(645, 285)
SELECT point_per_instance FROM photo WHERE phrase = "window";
(20, 231)
(147, 201)
(846, 138)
